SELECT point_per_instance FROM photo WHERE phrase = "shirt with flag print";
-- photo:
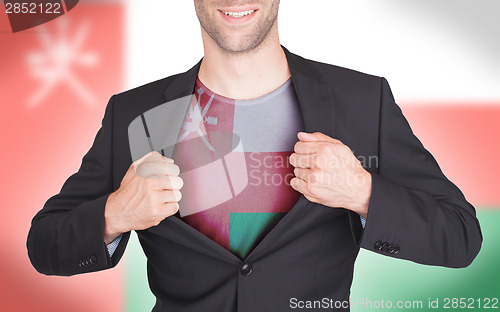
(233, 157)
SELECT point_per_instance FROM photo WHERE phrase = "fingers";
(302, 147)
(157, 169)
(316, 137)
(152, 155)
(171, 196)
(301, 186)
(302, 161)
(171, 183)
(305, 147)
(165, 183)
(311, 176)
(298, 184)
(303, 174)
(312, 147)
(171, 208)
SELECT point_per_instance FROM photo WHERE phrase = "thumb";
(316, 137)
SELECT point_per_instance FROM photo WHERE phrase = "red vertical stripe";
(465, 140)
(42, 144)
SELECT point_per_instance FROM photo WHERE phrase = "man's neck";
(244, 76)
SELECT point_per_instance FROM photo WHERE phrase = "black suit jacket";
(415, 212)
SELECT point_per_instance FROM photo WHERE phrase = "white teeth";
(239, 14)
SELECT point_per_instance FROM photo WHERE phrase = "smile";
(238, 14)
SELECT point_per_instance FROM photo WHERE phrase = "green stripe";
(247, 229)
(138, 296)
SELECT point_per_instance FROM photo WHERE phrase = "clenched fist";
(327, 172)
(148, 193)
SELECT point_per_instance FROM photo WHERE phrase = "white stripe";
(430, 51)
(163, 38)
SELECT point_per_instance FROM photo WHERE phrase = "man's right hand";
(148, 193)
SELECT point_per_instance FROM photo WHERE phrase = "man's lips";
(237, 15)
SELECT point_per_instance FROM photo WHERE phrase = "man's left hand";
(327, 172)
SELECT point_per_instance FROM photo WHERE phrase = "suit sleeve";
(415, 212)
(67, 236)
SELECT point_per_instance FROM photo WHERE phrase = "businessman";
(266, 194)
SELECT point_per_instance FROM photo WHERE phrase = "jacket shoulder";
(150, 90)
(337, 74)
(134, 102)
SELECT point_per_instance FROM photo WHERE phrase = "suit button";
(390, 249)
(83, 264)
(93, 260)
(384, 246)
(246, 269)
(378, 245)
(396, 249)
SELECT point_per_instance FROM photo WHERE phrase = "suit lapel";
(318, 111)
(315, 98)
(183, 84)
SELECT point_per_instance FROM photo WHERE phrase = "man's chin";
(239, 45)
(239, 50)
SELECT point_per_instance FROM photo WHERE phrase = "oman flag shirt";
(234, 160)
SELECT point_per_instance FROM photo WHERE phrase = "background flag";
(440, 57)
(55, 82)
